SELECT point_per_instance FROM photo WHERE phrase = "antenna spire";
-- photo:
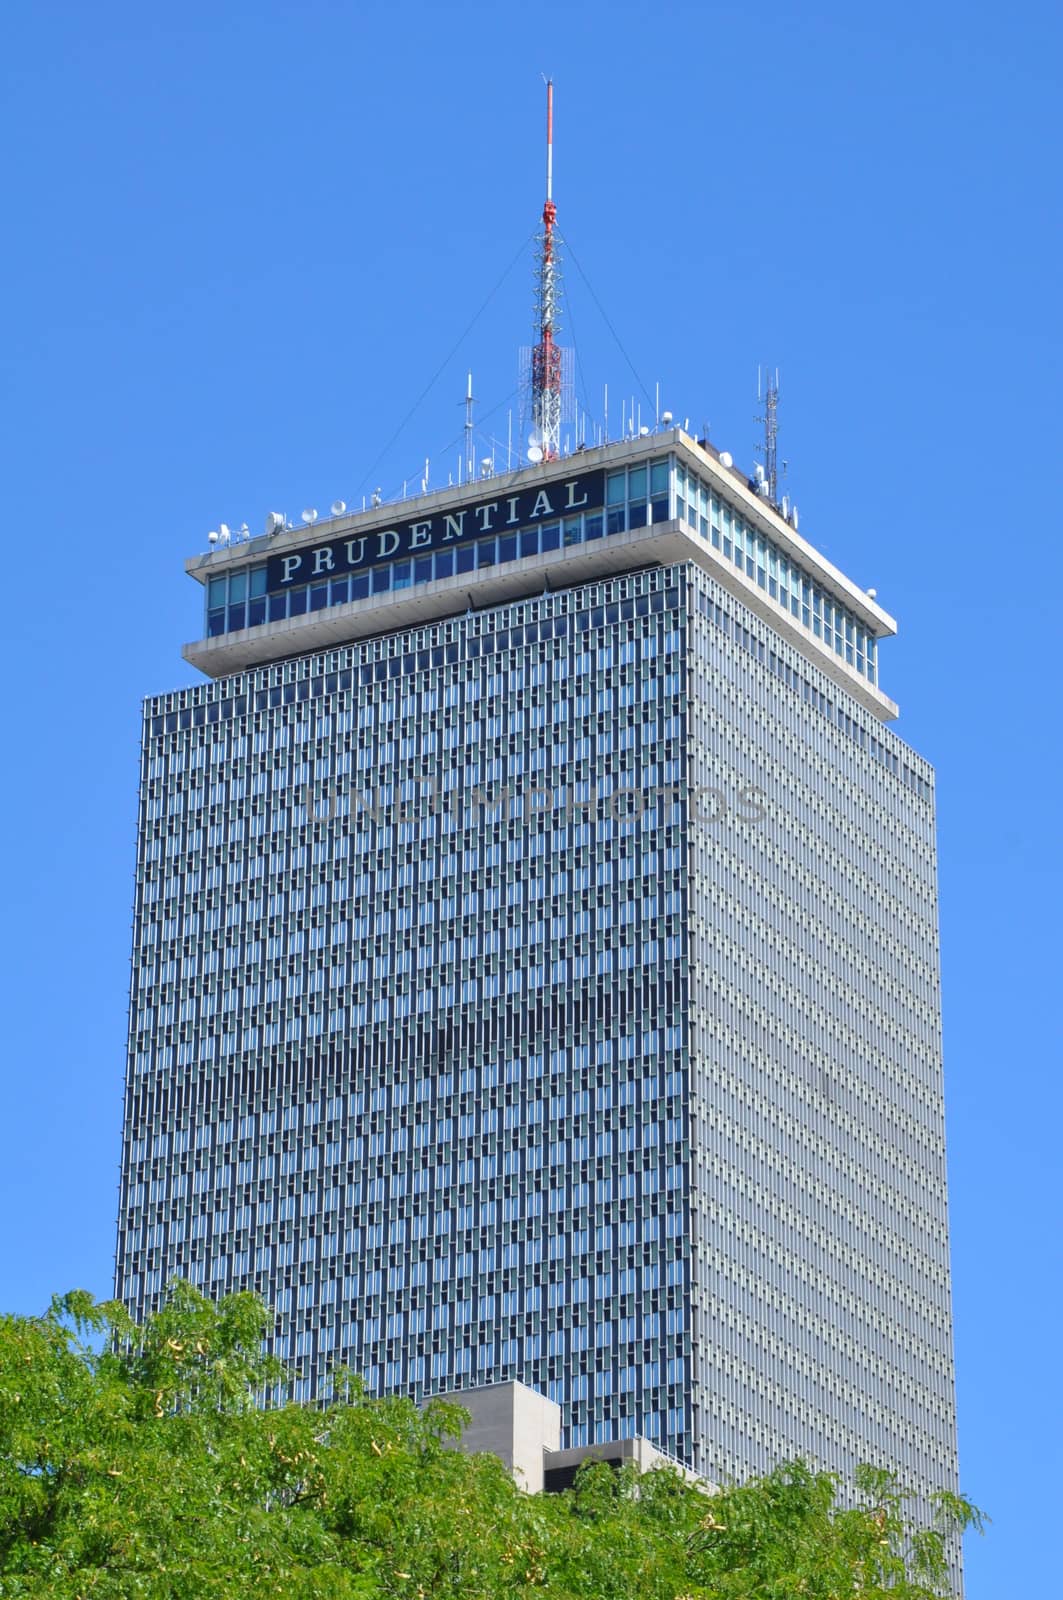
(546, 357)
(470, 462)
(770, 419)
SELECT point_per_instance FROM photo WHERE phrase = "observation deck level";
(659, 499)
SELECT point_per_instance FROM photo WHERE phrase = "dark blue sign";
(561, 497)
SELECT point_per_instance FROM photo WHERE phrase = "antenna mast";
(770, 419)
(546, 357)
(470, 463)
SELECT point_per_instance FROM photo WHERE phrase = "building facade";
(535, 969)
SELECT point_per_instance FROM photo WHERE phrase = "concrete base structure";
(523, 1428)
(516, 1423)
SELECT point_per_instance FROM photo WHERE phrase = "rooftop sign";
(558, 498)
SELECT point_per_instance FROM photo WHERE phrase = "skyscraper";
(535, 967)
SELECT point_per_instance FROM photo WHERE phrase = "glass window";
(444, 563)
(360, 586)
(422, 569)
(258, 580)
(529, 542)
(593, 525)
(615, 489)
(216, 592)
(278, 607)
(296, 602)
(381, 579)
(215, 622)
(550, 536)
(466, 557)
(401, 575)
(338, 591)
(319, 597)
(636, 483)
(659, 477)
(238, 586)
(256, 612)
(237, 617)
(507, 547)
(486, 552)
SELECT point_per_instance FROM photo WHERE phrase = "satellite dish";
(644, 432)
(535, 453)
(310, 516)
(245, 531)
(338, 507)
(275, 522)
(726, 458)
(666, 418)
(533, 440)
(872, 594)
(212, 536)
(224, 531)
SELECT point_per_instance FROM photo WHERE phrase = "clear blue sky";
(239, 240)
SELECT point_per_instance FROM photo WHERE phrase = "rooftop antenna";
(546, 357)
(770, 420)
(470, 460)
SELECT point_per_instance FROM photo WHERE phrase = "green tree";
(138, 1461)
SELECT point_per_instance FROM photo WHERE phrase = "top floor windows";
(774, 571)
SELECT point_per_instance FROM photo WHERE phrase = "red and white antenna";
(546, 356)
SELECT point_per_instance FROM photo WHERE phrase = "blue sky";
(239, 243)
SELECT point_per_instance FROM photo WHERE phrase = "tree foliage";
(137, 1461)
